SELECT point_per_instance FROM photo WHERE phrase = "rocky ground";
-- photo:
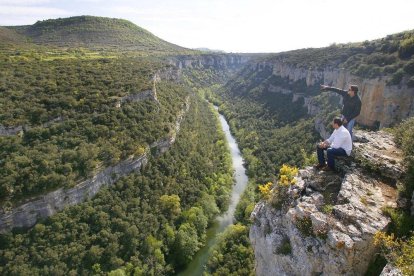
(328, 221)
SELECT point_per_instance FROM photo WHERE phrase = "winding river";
(196, 267)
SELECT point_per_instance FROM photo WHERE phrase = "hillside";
(8, 36)
(95, 32)
(274, 105)
(391, 56)
(76, 111)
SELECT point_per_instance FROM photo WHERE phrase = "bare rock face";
(8, 131)
(28, 214)
(140, 96)
(377, 150)
(217, 61)
(327, 222)
(382, 104)
(390, 270)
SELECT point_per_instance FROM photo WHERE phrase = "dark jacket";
(351, 105)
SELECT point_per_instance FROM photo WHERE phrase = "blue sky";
(235, 25)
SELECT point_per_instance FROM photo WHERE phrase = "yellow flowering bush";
(266, 190)
(397, 251)
(278, 195)
(287, 175)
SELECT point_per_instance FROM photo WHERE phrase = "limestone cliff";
(8, 131)
(216, 61)
(382, 105)
(27, 214)
(327, 224)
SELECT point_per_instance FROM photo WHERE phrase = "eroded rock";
(390, 270)
(329, 219)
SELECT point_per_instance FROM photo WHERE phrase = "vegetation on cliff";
(71, 119)
(150, 223)
(68, 104)
(269, 135)
(390, 56)
(397, 245)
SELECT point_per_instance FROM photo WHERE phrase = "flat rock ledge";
(327, 223)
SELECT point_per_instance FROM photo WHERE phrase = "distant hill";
(209, 50)
(8, 36)
(95, 32)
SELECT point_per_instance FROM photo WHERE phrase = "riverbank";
(197, 265)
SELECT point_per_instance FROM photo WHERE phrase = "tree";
(186, 244)
(170, 205)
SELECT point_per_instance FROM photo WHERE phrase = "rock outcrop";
(383, 104)
(216, 61)
(327, 223)
(8, 131)
(390, 270)
(26, 215)
(140, 96)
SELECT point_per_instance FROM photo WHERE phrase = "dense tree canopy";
(73, 123)
(154, 221)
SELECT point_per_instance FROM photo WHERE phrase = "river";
(196, 267)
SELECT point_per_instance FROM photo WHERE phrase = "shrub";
(406, 49)
(266, 190)
(397, 251)
(327, 209)
(404, 137)
(285, 248)
(409, 68)
(304, 226)
(410, 82)
(396, 77)
(278, 195)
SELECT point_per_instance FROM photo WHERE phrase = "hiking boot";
(327, 169)
(319, 166)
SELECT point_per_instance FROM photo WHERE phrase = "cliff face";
(327, 225)
(382, 105)
(216, 61)
(26, 215)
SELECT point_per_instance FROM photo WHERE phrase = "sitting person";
(338, 144)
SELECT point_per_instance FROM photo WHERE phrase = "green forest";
(153, 221)
(63, 98)
(72, 126)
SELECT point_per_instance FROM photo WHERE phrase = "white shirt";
(340, 138)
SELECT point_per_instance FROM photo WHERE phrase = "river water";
(196, 267)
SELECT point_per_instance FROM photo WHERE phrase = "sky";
(235, 25)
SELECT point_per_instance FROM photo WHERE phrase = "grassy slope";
(8, 36)
(89, 31)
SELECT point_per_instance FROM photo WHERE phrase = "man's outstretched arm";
(334, 89)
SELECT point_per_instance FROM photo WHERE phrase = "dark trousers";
(330, 153)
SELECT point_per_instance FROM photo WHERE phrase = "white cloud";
(23, 15)
(235, 25)
(23, 2)
(37, 11)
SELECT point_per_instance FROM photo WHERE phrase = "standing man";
(338, 144)
(351, 104)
